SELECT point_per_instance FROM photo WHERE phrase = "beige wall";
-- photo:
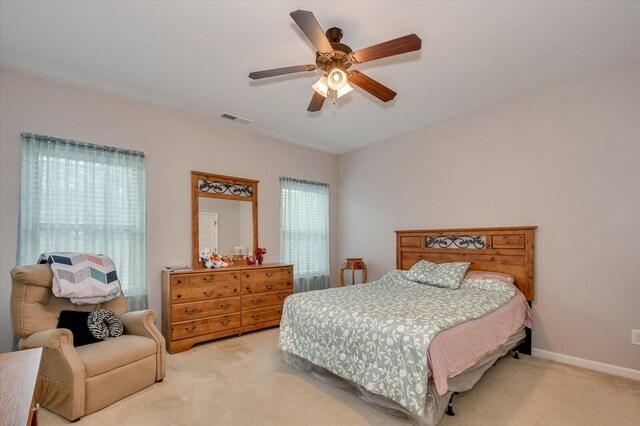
(565, 158)
(174, 143)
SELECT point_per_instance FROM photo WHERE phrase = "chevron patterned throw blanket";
(83, 278)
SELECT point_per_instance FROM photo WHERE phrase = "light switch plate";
(635, 337)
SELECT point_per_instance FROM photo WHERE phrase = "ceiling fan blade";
(397, 46)
(280, 71)
(370, 85)
(316, 102)
(312, 29)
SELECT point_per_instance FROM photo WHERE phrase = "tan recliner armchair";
(74, 382)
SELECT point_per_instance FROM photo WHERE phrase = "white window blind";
(76, 196)
(304, 231)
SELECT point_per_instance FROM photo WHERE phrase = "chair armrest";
(140, 323)
(54, 338)
(62, 366)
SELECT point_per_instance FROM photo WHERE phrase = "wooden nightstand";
(353, 264)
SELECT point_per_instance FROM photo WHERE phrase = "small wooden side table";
(353, 264)
(18, 375)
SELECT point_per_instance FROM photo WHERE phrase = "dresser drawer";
(261, 315)
(212, 278)
(182, 330)
(179, 280)
(188, 311)
(186, 329)
(179, 294)
(261, 281)
(224, 322)
(213, 291)
(225, 306)
(262, 300)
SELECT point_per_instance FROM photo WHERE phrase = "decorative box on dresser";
(206, 304)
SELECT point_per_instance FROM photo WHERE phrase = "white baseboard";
(585, 363)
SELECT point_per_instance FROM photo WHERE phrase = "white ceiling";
(195, 56)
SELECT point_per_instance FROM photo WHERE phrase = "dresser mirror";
(224, 214)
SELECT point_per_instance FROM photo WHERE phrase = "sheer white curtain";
(76, 196)
(304, 232)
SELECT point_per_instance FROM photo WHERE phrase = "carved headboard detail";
(507, 250)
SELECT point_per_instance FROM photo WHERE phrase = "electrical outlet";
(635, 337)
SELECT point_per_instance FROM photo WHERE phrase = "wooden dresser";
(206, 304)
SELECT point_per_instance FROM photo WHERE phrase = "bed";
(408, 347)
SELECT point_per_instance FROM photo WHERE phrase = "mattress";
(454, 350)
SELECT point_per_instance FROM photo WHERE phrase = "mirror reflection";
(224, 225)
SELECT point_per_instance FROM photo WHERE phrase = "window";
(304, 231)
(76, 196)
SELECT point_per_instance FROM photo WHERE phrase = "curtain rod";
(84, 144)
(303, 181)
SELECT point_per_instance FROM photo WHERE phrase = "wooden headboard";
(506, 250)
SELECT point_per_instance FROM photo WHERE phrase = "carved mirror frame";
(225, 187)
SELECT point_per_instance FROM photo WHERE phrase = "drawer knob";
(179, 296)
(225, 306)
(179, 282)
(255, 301)
(235, 277)
(207, 279)
(191, 311)
(269, 286)
(256, 316)
(269, 274)
(190, 329)
(209, 293)
(225, 322)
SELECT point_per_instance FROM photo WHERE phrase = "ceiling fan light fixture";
(336, 79)
(345, 89)
(321, 86)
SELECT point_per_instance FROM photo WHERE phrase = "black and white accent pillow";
(104, 323)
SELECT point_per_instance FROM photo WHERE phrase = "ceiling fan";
(335, 59)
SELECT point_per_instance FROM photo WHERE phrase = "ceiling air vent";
(236, 118)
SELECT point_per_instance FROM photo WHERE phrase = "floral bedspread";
(377, 334)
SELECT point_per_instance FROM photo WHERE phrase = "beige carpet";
(242, 381)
